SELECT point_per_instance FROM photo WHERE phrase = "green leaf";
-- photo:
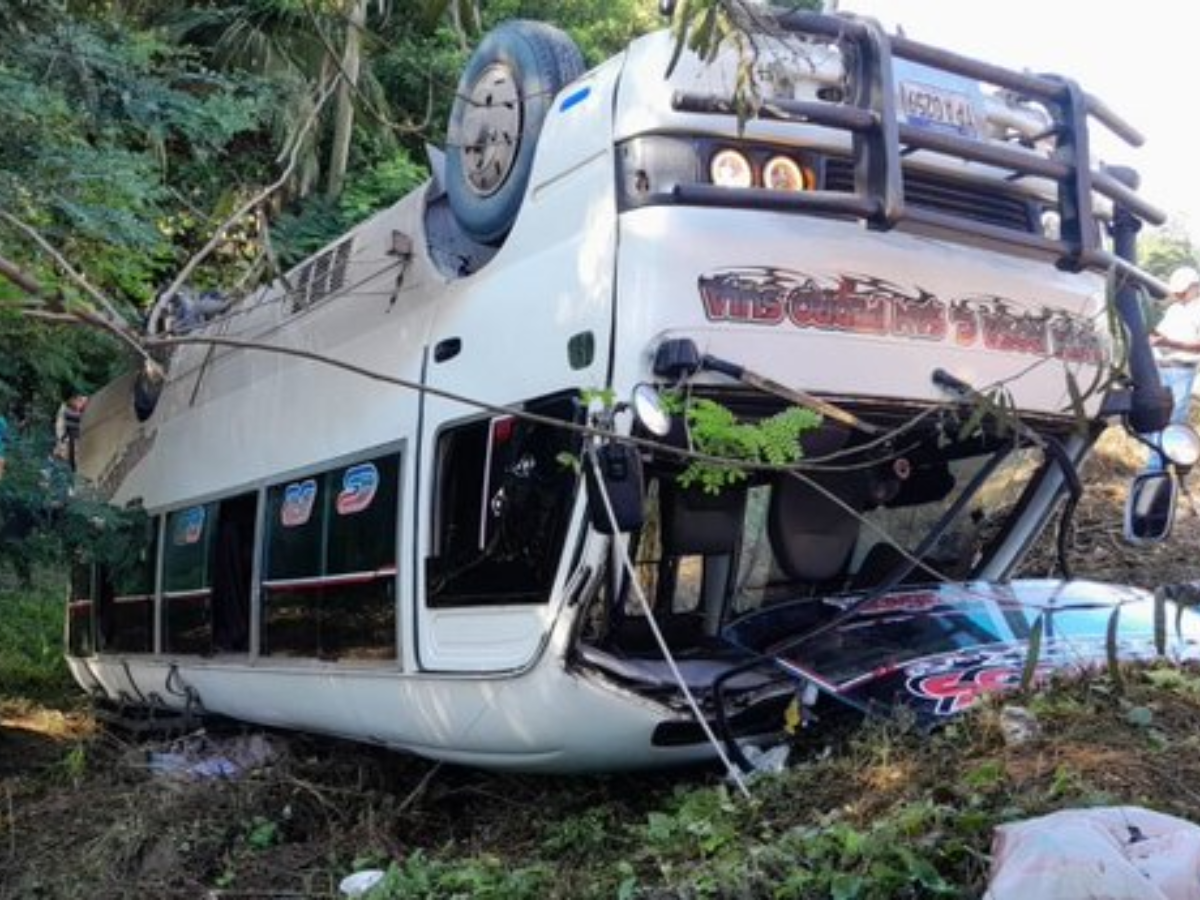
(846, 886)
(1140, 716)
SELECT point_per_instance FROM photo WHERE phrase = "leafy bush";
(420, 877)
(31, 640)
(319, 220)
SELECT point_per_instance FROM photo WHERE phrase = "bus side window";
(127, 595)
(295, 529)
(81, 611)
(187, 580)
(503, 505)
(360, 601)
(330, 563)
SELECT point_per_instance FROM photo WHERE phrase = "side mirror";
(1150, 508)
(613, 473)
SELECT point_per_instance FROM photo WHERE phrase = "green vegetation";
(715, 431)
(129, 135)
(31, 642)
(129, 132)
(878, 812)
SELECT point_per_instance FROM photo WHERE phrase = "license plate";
(932, 106)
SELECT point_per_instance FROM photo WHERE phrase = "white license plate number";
(927, 106)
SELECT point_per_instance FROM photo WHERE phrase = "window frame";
(324, 473)
(567, 502)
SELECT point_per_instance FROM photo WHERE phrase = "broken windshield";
(799, 540)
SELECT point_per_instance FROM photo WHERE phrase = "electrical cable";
(735, 774)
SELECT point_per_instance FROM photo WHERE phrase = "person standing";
(1176, 342)
(67, 428)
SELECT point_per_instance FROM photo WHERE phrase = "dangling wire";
(735, 774)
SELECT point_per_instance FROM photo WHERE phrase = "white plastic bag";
(1118, 853)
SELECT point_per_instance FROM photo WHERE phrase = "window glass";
(130, 625)
(972, 533)
(187, 620)
(295, 528)
(81, 582)
(81, 634)
(291, 620)
(329, 591)
(187, 624)
(362, 518)
(135, 575)
(359, 620)
(125, 600)
(188, 538)
(503, 507)
(888, 533)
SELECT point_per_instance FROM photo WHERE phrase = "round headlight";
(650, 410)
(783, 174)
(1051, 225)
(729, 168)
(1180, 444)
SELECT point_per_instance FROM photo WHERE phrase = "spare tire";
(503, 98)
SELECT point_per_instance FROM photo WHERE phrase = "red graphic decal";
(911, 601)
(964, 322)
(952, 692)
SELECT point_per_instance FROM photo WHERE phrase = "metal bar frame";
(880, 140)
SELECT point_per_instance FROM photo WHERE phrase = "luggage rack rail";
(881, 139)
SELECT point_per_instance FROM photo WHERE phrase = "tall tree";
(343, 128)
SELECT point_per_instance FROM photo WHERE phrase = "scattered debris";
(358, 884)
(1119, 853)
(763, 762)
(1019, 726)
(200, 756)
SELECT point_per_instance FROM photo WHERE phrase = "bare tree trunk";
(456, 23)
(343, 127)
(474, 21)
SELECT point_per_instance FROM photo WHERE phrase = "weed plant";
(31, 641)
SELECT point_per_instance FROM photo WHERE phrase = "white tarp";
(1115, 853)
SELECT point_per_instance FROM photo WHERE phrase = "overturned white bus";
(897, 233)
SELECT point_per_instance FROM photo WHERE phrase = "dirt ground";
(1099, 551)
(87, 813)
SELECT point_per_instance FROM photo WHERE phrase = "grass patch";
(879, 813)
(31, 643)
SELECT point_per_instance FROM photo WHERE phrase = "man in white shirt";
(1176, 341)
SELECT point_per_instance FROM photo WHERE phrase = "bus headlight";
(730, 168)
(784, 174)
(1180, 444)
(1052, 225)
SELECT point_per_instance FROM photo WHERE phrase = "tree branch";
(160, 305)
(29, 231)
(89, 319)
(114, 323)
(20, 278)
(368, 104)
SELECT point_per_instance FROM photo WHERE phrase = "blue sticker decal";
(359, 485)
(298, 500)
(189, 527)
(575, 99)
